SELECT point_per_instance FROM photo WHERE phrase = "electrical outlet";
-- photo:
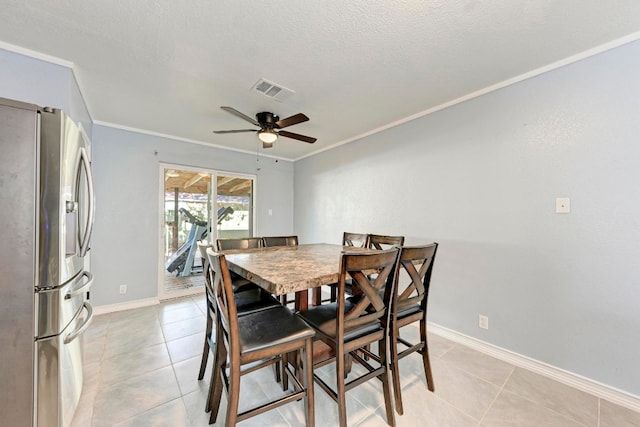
(483, 322)
(563, 205)
(123, 289)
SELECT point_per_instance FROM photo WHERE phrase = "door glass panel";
(234, 207)
(186, 220)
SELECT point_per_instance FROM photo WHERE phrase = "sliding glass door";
(188, 198)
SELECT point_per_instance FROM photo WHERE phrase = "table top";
(287, 269)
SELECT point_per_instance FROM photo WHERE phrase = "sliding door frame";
(162, 167)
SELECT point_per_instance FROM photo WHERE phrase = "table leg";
(316, 298)
(302, 300)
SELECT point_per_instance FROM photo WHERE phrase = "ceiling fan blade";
(290, 121)
(241, 115)
(297, 136)
(235, 131)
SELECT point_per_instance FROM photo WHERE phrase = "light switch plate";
(563, 205)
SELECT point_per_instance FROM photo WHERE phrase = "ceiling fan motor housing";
(267, 119)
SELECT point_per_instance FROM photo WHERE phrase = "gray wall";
(39, 82)
(481, 178)
(126, 236)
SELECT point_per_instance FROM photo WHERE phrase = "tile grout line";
(496, 397)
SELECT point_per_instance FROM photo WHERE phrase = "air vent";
(272, 90)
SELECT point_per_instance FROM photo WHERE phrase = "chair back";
(226, 309)
(377, 289)
(241, 243)
(357, 240)
(208, 275)
(416, 262)
(377, 241)
(202, 250)
(279, 241)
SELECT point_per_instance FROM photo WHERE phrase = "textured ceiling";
(166, 66)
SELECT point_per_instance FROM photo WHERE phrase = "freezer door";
(56, 307)
(59, 372)
(66, 199)
(18, 206)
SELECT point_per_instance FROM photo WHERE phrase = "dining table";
(297, 269)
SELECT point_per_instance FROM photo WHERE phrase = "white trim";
(129, 305)
(53, 60)
(579, 382)
(189, 140)
(35, 55)
(528, 75)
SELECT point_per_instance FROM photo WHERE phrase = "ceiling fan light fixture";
(267, 136)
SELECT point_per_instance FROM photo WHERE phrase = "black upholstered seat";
(260, 331)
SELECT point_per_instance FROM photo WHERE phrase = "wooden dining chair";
(271, 241)
(258, 339)
(348, 326)
(371, 241)
(239, 282)
(408, 306)
(239, 243)
(247, 301)
(380, 242)
(356, 240)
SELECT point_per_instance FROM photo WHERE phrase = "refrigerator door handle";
(82, 289)
(84, 242)
(75, 334)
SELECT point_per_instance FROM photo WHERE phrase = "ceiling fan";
(270, 126)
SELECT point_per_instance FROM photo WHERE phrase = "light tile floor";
(141, 369)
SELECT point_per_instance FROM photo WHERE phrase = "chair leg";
(285, 376)
(205, 350)
(348, 364)
(334, 294)
(215, 385)
(307, 374)
(395, 371)
(340, 386)
(425, 356)
(233, 397)
(215, 395)
(383, 346)
(277, 369)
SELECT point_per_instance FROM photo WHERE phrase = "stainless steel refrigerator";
(46, 218)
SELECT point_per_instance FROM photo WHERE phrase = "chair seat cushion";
(241, 284)
(408, 310)
(324, 318)
(253, 300)
(267, 328)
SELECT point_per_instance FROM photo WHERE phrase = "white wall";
(126, 235)
(481, 178)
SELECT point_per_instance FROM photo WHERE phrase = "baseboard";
(587, 385)
(112, 308)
